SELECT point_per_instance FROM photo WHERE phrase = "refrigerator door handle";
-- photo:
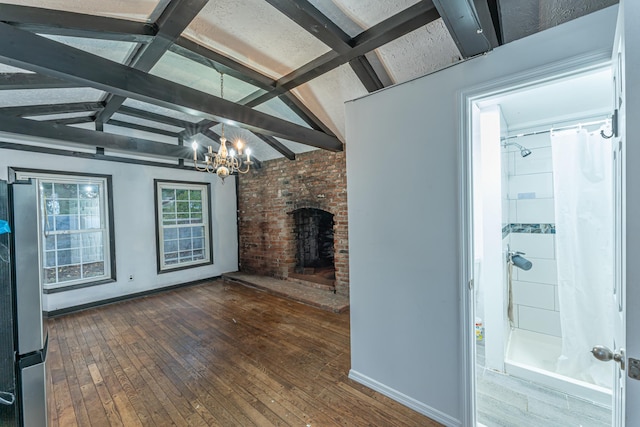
(7, 398)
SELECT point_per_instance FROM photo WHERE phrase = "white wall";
(134, 222)
(405, 216)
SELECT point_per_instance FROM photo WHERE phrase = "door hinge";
(470, 284)
(634, 368)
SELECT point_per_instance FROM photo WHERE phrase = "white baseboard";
(410, 402)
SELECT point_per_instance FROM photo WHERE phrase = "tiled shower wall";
(531, 229)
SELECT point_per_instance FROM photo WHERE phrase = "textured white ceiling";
(255, 34)
(367, 13)
(325, 96)
(420, 52)
(135, 10)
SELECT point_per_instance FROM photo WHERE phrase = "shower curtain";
(583, 192)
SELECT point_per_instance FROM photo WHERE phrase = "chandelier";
(224, 162)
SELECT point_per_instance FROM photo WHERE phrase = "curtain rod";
(579, 125)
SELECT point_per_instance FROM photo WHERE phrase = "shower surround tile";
(534, 295)
(538, 162)
(535, 210)
(536, 245)
(540, 184)
(539, 320)
(543, 271)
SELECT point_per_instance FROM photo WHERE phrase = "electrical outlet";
(131, 277)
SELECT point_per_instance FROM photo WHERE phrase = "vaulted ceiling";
(141, 79)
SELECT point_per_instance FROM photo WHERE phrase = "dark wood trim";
(91, 138)
(50, 21)
(88, 156)
(77, 308)
(23, 49)
(464, 19)
(47, 109)
(15, 81)
(365, 72)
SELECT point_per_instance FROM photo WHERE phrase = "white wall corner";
(402, 398)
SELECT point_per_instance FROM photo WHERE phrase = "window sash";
(182, 225)
(67, 226)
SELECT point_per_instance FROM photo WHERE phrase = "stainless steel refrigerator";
(23, 330)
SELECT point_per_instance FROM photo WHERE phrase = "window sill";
(76, 286)
(184, 267)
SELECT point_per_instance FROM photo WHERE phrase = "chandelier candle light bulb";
(224, 162)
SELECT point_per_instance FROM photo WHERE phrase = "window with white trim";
(75, 241)
(182, 220)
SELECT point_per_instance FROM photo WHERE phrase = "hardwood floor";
(216, 354)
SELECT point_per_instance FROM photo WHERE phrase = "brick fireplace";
(293, 218)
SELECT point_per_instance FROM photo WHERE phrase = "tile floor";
(508, 401)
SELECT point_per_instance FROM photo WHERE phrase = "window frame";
(205, 189)
(106, 211)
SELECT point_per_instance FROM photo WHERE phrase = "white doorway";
(527, 318)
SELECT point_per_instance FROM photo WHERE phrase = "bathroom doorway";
(543, 251)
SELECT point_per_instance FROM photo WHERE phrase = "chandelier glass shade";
(226, 161)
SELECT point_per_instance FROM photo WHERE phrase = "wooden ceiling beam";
(62, 23)
(172, 22)
(47, 109)
(17, 81)
(90, 138)
(398, 25)
(35, 53)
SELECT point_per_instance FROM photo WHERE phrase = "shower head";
(524, 152)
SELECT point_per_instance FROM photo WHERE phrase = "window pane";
(170, 246)
(168, 206)
(50, 275)
(198, 243)
(50, 259)
(90, 191)
(196, 218)
(66, 191)
(94, 269)
(197, 231)
(171, 258)
(66, 222)
(92, 240)
(183, 207)
(47, 189)
(185, 244)
(196, 207)
(170, 233)
(195, 195)
(88, 222)
(50, 242)
(169, 219)
(183, 218)
(197, 255)
(67, 273)
(182, 195)
(64, 241)
(186, 256)
(168, 194)
(68, 207)
(184, 232)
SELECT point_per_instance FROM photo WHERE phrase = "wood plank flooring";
(216, 354)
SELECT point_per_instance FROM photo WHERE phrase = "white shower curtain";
(583, 195)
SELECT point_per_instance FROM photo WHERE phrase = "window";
(76, 246)
(182, 218)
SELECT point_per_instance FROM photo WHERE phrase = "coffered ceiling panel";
(363, 13)
(116, 51)
(12, 98)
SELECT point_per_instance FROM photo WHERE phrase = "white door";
(626, 342)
